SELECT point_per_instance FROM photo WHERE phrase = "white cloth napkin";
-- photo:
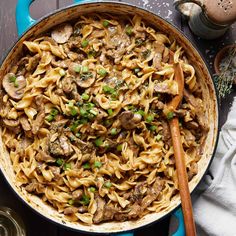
(214, 203)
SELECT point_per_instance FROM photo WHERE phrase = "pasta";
(83, 116)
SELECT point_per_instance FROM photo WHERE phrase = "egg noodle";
(84, 118)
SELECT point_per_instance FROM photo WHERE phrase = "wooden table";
(35, 224)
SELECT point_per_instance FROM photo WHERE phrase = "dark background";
(35, 224)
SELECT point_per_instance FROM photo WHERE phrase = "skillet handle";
(23, 18)
(181, 229)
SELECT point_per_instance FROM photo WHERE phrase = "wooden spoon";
(190, 228)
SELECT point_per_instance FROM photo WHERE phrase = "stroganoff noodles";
(85, 120)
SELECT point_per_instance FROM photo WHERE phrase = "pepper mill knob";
(222, 12)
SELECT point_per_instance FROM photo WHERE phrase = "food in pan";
(84, 118)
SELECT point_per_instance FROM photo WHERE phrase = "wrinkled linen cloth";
(214, 202)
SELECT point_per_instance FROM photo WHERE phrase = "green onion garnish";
(113, 131)
(85, 69)
(73, 111)
(93, 112)
(49, 118)
(119, 148)
(152, 128)
(98, 142)
(92, 189)
(158, 137)
(97, 164)
(59, 161)
(85, 200)
(107, 184)
(140, 112)
(85, 96)
(150, 118)
(77, 68)
(86, 166)
(74, 126)
(110, 112)
(84, 43)
(129, 30)
(105, 23)
(12, 79)
(67, 166)
(170, 115)
(102, 72)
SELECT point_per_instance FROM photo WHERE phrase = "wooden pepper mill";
(208, 19)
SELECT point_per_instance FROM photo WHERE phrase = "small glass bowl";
(10, 223)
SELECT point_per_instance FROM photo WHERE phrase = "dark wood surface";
(36, 225)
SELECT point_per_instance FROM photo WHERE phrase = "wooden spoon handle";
(182, 178)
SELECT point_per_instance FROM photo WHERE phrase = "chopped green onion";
(77, 68)
(54, 112)
(67, 166)
(119, 147)
(49, 118)
(85, 96)
(89, 105)
(83, 121)
(102, 72)
(73, 111)
(140, 112)
(97, 164)
(93, 112)
(92, 189)
(12, 79)
(71, 202)
(128, 30)
(158, 137)
(108, 89)
(152, 128)
(84, 43)
(108, 122)
(113, 131)
(59, 161)
(86, 166)
(85, 200)
(150, 118)
(98, 142)
(107, 184)
(74, 126)
(85, 69)
(78, 135)
(110, 112)
(105, 23)
(170, 115)
(83, 112)
(62, 72)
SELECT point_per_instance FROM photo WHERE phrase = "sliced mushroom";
(77, 195)
(67, 84)
(14, 86)
(42, 156)
(129, 120)
(25, 123)
(86, 80)
(62, 33)
(10, 123)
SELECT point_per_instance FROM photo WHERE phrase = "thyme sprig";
(225, 79)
